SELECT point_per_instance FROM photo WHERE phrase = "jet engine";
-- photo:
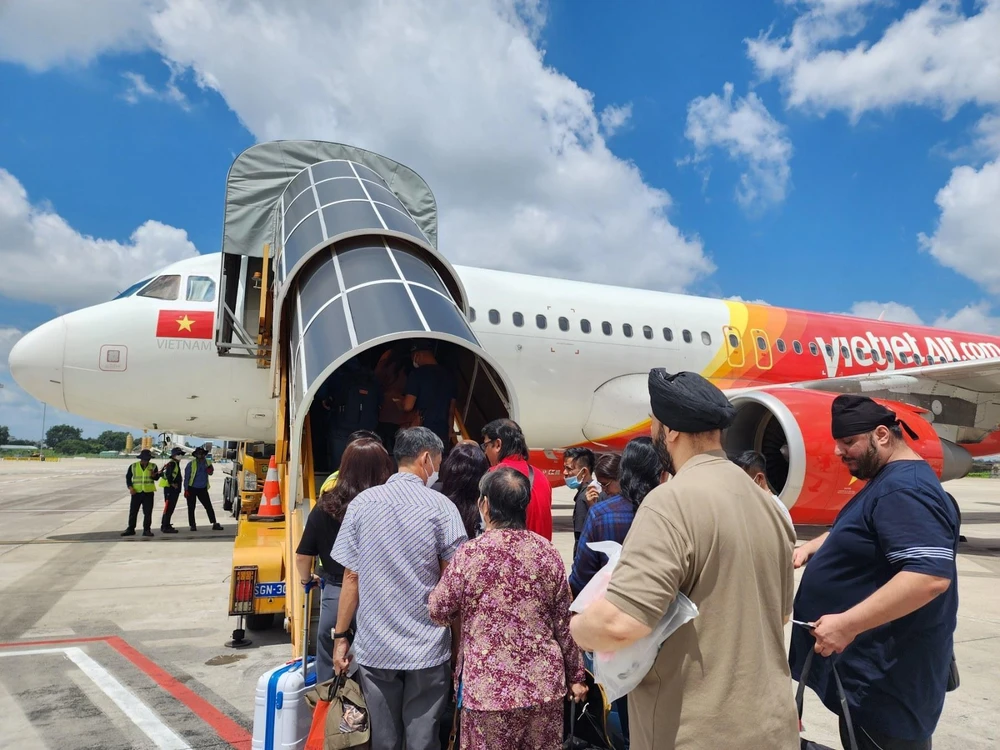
(791, 428)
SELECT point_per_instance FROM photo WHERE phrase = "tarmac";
(114, 643)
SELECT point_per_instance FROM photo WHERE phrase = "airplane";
(191, 349)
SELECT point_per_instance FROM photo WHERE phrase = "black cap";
(144, 453)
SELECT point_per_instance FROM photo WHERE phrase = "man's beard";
(660, 446)
(868, 465)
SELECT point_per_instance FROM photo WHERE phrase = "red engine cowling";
(791, 427)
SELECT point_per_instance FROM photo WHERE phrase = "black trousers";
(142, 500)
(870, 739)
(170, 497)
(202, 495)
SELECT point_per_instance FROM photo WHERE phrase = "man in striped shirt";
(881, 587)
(394, 543)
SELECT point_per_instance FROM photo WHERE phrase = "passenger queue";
(447, 601)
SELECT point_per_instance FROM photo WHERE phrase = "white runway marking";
(138, 712)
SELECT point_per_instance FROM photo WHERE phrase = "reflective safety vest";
(170, 473)
(330, 483)
(142, 479)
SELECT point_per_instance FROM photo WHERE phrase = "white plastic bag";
(619, 672)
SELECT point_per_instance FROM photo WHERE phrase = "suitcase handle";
(305, 626)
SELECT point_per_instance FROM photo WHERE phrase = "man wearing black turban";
(713, 535)
(879, 586)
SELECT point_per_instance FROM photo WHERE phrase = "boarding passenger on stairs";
(331, 481)
(364, 464)
(719, 680)
(354, 400)
(141, 482)
(171, 479)
(430, 393)
(505, 445)
(881, 587)
(196, 486)
(394, 544)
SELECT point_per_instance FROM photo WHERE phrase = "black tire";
(259, 622)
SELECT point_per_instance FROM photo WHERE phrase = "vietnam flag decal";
(185, 324)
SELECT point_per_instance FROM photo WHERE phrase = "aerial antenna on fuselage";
(881, 314)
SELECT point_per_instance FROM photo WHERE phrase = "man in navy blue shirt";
(881, 587)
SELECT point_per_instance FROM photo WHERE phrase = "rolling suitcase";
(282, 717)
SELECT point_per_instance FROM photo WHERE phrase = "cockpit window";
(163, 287)
(200, 289)
(133, 289)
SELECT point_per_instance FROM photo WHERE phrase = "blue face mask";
(573, 483)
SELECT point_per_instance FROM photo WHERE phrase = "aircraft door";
(734, 345)
(762, 349)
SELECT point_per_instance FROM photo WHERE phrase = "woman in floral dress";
(517, 661)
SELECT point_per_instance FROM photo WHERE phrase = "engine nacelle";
(791, 427)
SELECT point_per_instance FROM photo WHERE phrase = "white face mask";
(432, 477)
(482, 518)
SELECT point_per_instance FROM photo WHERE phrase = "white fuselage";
(183, 385)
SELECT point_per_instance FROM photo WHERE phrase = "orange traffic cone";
(270, 501)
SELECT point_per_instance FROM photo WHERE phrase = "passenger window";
(163, 287)
(606, 327)
(706, 338)
(518, 319)
(585, 325)
(829, 350)
(647, 332)
(540, 321)
(918, 359)
(495, 317)
(734, 341)
(761, 344)
(781, 345)
(875, 355)
(668, 335)
(904, 358)
(200, 289)
(797, 347)
(687, 336)
(844, 351)
(889, 357)
(859, 352)
(472, 315)
(563, 324)
(814, 350)
(627, 330)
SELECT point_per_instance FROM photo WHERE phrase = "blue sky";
(727, 149)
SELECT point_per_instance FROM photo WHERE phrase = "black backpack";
(357, 402)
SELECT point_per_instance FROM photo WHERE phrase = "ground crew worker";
(881, 587)
(141, 482)
(196, 485)
(714, 536)
(171, 480)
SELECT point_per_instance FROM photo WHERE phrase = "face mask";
(482, 518)
(573, 482)
(432, 477)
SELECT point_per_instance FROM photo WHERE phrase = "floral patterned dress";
(517, 658)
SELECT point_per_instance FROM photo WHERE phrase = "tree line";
(69, 440)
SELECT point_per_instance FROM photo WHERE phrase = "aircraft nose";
(36, 362)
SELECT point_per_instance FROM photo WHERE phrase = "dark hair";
(581, 454)
(607, 466)
(512, 442)
(363, 435)
(460, 475)
(640, 469)
(413, 441)
(750, 461)
(365, 464)
(509, 494)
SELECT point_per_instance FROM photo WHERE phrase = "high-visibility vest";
(142, 479)
(167, 474)
(330, 483)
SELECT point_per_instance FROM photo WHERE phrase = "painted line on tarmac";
(138, 712)
(226, 728)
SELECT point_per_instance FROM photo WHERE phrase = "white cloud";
(750, 136)
(738, 298)
(44, 33)
(615, 118)
(934, 56)
(459, 90)
(47, 261)
(975, 318)
(139, 88)
(967, 237)
(8, 337)
(893, 311)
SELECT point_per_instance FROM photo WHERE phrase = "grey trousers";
(406, 704)
(329, 603)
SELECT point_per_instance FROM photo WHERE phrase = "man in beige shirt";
(712, 534)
